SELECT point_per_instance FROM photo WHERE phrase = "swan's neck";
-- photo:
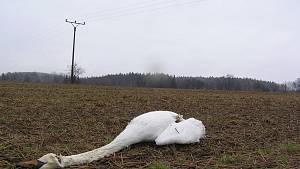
(95, 154)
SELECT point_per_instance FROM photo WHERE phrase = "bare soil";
(245, 129)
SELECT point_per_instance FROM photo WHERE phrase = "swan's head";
(48, 161)
(200, 126)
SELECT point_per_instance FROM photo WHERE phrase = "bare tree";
(78, 71)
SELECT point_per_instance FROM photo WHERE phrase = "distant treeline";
(153, 80)
(33, 77)
(159, 80)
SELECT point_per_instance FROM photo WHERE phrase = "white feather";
(158, 126)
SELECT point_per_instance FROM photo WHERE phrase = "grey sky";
(247, 38)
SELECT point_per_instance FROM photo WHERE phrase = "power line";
(127, 10)
(75, 25)
(99, 11)
(53, 31)
(130, 8)
(141, 10)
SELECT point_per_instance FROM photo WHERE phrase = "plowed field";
(245, 129)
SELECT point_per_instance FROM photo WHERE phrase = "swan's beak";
(31, 164)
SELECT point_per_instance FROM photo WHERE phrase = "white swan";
(163, 127)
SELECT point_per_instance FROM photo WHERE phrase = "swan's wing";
(185, 132)
(148, 126)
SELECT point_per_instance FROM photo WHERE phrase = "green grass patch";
(158, 165)
(108, 140)
(290, 147)
(9, 165)
(183, 161)
(227, 159)
(3, 146)
(2, 120)
(264, 151)
(284, 159)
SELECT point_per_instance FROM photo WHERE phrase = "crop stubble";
(248, 127)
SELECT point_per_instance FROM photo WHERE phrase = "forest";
(158, 80)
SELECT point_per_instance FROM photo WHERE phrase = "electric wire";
(143, 9)
(114, 13)
(107, 13)
(100, 11)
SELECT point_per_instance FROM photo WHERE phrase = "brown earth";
(245, 129)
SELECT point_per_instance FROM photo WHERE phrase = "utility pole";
(74, 24)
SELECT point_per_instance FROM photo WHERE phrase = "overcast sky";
(246, 38)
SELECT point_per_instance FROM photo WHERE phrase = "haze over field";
(245, 38)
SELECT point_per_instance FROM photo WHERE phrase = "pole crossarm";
(74, 22)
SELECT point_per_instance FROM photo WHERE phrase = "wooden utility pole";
(75, 24)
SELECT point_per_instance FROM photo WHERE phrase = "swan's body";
(146, 127)
(152, 126)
